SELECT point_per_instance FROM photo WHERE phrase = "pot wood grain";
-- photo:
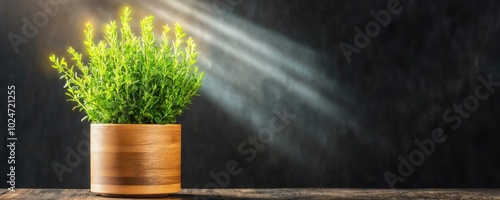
(135, 159)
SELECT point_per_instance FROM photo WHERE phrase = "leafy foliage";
(130, 79)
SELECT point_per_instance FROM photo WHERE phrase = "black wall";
(348, 121)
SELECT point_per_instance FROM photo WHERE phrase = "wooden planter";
(135, 159)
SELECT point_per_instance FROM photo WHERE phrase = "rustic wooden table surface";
(298, 193)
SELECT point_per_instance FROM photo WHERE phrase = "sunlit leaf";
(128, 79)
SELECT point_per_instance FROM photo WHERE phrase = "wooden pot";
(135, 159)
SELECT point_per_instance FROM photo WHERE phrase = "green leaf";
(129, 79)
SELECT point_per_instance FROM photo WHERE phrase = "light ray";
(256, 49)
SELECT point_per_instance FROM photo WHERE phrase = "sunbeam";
(262, 55)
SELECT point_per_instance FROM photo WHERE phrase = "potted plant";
(132, 89)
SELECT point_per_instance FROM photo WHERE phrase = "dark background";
(351, 123)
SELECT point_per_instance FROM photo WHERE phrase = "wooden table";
(286, 193)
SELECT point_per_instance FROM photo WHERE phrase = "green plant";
(130, 79)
